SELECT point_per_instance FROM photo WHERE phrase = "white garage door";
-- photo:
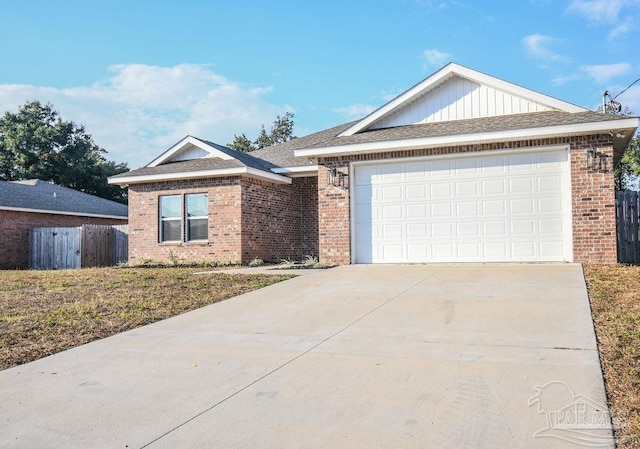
(507, 207)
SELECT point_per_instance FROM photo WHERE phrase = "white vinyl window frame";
(189, 217)
(168, 219)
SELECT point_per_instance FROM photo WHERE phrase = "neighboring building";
(462, 167)
(34, 203)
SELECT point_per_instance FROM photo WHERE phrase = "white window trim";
(187, 218)
(162, 220)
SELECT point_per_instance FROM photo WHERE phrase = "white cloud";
(599, 11)
(539, 46)
(605, 72)
(562, 80)
(607, 12)
(435, 58)
(141, 110)
(355, 111)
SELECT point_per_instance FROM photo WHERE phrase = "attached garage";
(498, 206)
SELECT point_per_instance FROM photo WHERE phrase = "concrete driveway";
(400, 356)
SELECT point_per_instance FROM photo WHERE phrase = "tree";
(281, 131)
(628, 169)
(36, 143)
(241, 143)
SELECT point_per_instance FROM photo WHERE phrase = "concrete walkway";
(417, 356)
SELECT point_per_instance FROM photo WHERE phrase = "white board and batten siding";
(459, 99)
(189, 153)
(513, 206)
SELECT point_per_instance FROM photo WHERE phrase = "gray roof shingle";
(282, 155)
(40, 195)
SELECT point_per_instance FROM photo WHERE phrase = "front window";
(197, 217)
(170, 218)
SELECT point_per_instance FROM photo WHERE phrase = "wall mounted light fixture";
(336, 178)
(596, 161)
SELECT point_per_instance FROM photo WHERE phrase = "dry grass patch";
(44, 312)
(614, 292)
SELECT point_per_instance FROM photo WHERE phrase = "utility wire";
(625, 89)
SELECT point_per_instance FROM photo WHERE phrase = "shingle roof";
(449, 128)
(40, 195)
(240, 159)
(282, 155)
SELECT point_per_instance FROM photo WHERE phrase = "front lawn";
(614, 292)
(44, 312)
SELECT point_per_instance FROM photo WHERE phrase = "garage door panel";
(494, 207)
(440, 190)
(467, 188)
(442, 230)
(392, 231)
(392, 193)
(495, 250)
(510, 207)
(441, 210)
(551, 226)
(467, 208)
(550, 205)
(468, 250)
(549, 183)
(521, 206)
(416, 211)
(417, 230)
(416, 192)
(392, 212)
(523, 227)
(493, 187)
(494, 228)
(521, 186)
(468, 229)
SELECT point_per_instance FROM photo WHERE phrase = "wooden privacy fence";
(78, 247)
(627, 211)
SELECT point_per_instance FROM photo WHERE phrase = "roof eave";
(60, 212)
(628, 125)
(297, 171)
(236, 171)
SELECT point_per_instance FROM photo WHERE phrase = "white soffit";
(187, 145)
(481, 96)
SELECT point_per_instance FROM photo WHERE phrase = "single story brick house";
(462, 167)
(35, 203)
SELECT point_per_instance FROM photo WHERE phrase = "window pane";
(198, 229)
(197, 205)
(170, 206)
(170, 231)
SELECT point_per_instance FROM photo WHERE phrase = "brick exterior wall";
(307, 189)
(248, 218)
(15, 227)
(225, 235)
(279, 220)
(334, 229)
(593, 198)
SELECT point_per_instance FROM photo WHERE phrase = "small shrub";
(310, 260)
(256, 262)
(287, 262)
(173, 260)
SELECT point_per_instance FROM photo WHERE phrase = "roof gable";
(456, 93)
(191, 148)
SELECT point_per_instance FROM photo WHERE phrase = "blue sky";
(143, 74)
